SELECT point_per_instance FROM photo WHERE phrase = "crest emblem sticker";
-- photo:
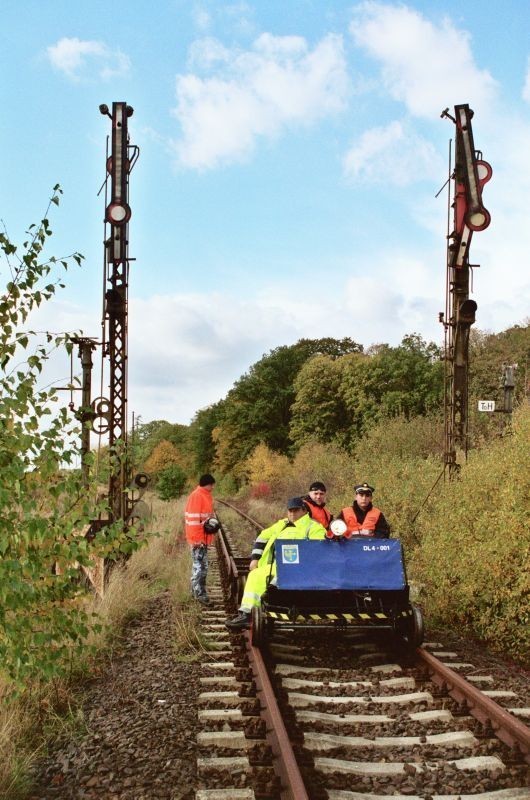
(290, 554)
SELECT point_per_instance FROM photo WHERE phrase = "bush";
(260, 490)
(263, 465)
(473, 562)
(171, 482)
(44, 506)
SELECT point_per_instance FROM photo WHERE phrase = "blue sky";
(290, 157)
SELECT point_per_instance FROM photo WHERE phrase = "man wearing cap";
(199, 508)
(316, 502)
(297, 525)
(362, 518)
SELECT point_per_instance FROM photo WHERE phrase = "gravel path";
(141, 720)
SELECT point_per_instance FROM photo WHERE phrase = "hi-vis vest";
(366, 528)
(319, 513)
(199, 507)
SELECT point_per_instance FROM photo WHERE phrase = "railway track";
(347, 717)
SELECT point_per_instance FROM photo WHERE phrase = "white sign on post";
(486, 405)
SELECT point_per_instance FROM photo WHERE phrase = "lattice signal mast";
(111, 414)
(469, 215)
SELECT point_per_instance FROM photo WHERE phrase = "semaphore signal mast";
(120, 162)
(470, 174)
(108, 415)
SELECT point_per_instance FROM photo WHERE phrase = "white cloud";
(278, 83)
(423, 65)
(80, 60)
(392, 155)
(186, 350)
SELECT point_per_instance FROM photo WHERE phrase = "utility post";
(508, 385)
(469, 215)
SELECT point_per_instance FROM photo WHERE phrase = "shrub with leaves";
(171, 482)
(473, 561)
(260, 490)
(44, 508)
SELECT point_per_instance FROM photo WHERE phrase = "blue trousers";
(199, 569)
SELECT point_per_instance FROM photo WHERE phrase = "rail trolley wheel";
(258, 632)
(414, 632)
(241, 580)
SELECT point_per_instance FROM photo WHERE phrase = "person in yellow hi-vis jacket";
(298, 525)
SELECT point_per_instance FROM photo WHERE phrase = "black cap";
(364, 487)
(206, 480)
(317, 486)
(296, 502)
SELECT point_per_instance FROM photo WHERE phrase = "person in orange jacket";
(362, 518)
(315, 500)
(198, 511)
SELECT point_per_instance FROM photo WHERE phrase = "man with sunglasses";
(362, 518)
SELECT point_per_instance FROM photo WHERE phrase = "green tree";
(44, 508)
(318, 412)
(488, 352)
(202, 443)
(410, 377)
(337, 399)
(171, 482)
(258, 407)
(406, 380)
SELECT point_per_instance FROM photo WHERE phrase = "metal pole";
(469, 215)
(85, 413)
(117, 216)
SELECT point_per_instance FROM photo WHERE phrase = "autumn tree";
(164, 454)
(264, 465)
(146, 436)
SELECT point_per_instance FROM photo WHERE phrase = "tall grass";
(17, 751)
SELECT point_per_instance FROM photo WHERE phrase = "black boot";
(240, 622)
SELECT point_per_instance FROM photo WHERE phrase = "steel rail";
(506, 727)
(227, 556)
(284, 764)
(241, 514)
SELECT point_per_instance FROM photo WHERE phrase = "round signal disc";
(338, 527)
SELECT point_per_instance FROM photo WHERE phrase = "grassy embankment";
(45, 709)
